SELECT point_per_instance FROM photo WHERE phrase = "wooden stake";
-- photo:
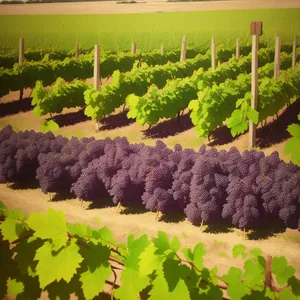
(157, 214)
(133, 48)
(213, 54)
(21, 59)
(294, 52)
(161, 49)
(238, 50)
(21, 51)
(118, 207)
(254, 89)
(76, 51)
(277, 58)
(183, 48)
(201, 225)
(96, 75)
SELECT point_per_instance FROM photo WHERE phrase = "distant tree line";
(46, 1)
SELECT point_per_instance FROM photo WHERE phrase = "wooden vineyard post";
(96, 75)
(294, 52)
(213, 54)
(277, 58)
(161, 50)
(133, 48)
(255, 31)
(183, 48)
(21, 59)
(76, 51)
(21, 51)
(238, 49)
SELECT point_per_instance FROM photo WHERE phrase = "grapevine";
(42, 252)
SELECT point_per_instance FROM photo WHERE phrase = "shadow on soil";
(263, 231)
(29, 185)
(116, 121)
(101, 203)
(273, 133)
(70, 119)
(15, 107)
(108, 123)
(169, 127)
(134, 210)
(62, 196)
(267, 230)
(174, 218)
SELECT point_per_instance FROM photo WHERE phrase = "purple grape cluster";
(246, 189)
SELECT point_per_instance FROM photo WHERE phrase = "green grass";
(149, 31)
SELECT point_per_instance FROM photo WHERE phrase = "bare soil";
(110, 7)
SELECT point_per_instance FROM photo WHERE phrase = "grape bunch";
(207, 192)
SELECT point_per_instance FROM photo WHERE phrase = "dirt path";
(218, 246)
(110, 7)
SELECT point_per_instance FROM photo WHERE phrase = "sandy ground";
(110, 7)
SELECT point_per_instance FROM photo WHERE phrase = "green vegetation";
(149, 31)
(292, 146)
(60, 258)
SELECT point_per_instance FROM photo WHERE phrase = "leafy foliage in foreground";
(43, 252)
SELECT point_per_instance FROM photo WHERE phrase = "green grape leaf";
(99, 270)
(89, 111)
(2, 207)
(295, 285)
(135, 249)
(281, 269)
(252, 115)
(197, 256)
(175, 244)
(236, 289)
(105, 235)
(254, 275)
(51, 225)
(161, 289)
(149, 260)
(291, 147)
(294, 130)
(286, 294)
(57, 265)
(11, 229)
(161, 243)
(14, 287)
(15, 213)
(255, 252)
(61, 290)
(25, 253)
(81, 230)
(132, 285)
(239, 250)
(49, 126)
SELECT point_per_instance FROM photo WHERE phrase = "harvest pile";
(245, 189)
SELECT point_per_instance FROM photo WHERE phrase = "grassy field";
(149, 31)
